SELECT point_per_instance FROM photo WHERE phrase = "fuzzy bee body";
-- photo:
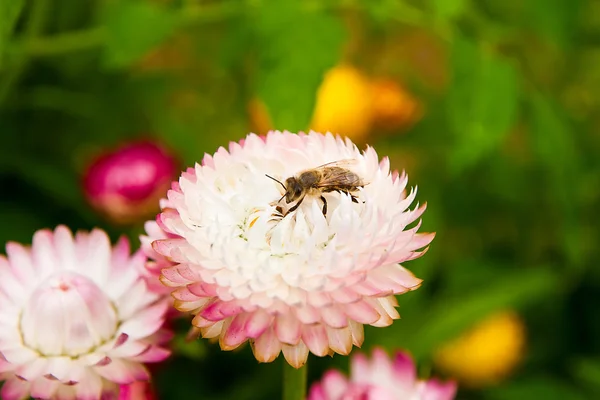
(331, 177)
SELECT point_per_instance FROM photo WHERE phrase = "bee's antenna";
(282, 185)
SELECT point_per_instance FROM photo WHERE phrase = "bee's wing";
(338, 176)
(345, 163)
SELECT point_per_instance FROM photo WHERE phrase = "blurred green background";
(491, 106)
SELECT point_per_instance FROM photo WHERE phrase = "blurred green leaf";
(55, 182)
(296, 47)
(557, 153)
(133, 28)
(554, 19)
(587, 372)
(10, 10)
(547, 388)
(449, 316)
(448, 9)
(18, 224)
(482, 103)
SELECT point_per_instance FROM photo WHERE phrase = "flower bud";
(126, 184)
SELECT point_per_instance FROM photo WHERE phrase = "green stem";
(84, 39)
(294, 382)
(33, 27)
(64, 42)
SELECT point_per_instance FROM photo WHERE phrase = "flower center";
(67, 315)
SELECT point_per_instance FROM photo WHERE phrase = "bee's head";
(293, 189)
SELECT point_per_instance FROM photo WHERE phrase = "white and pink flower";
(307, 282)
(381, 378)
(76, 317)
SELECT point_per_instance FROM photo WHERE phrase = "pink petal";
(123, 372)
(334, 384)
(236, 332)
(362, 312)
(258, 323)
(203, 289)
(319, 299)
(315, 338)
(358, 333)
(90, 385)
(308, 314)
(178, 275)
(210, 331)
(43, 388)
(171, 248)
(219, 310)
(266, 348)
(15, 389)
(334, 317)
(404, 367)
(345, 295)
(33, 370)
(288, 329)
(145, 322)
(295, 355)
(152, 354)
(340, 340)
(317, 392)
(20, 261)
(436, 390)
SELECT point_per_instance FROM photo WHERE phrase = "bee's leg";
(278, 214)
(295, 206)
(354, 198)
(324, 206)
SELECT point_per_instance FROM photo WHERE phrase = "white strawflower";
(76, 317)
(298, 283)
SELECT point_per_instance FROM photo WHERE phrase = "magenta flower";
(380, 379)
(126, 184)
(77, 318)
(252, 267)
(136, 391)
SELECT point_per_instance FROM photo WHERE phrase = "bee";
(330, 177)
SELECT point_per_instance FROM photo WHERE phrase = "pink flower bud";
(137, 391)
(126, 184)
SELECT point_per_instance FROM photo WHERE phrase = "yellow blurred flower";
(487, 353)
(344, 103)
(351, 104)
(393, 106)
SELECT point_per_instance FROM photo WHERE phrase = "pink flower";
(136, 391)
(304, 282)
(77, 318)
(126, 184)
(380, 379)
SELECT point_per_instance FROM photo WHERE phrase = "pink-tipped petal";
(295, 355)
(266, 348)
(316, 339)
(437, 390)
(340, 340)
(288, 329)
